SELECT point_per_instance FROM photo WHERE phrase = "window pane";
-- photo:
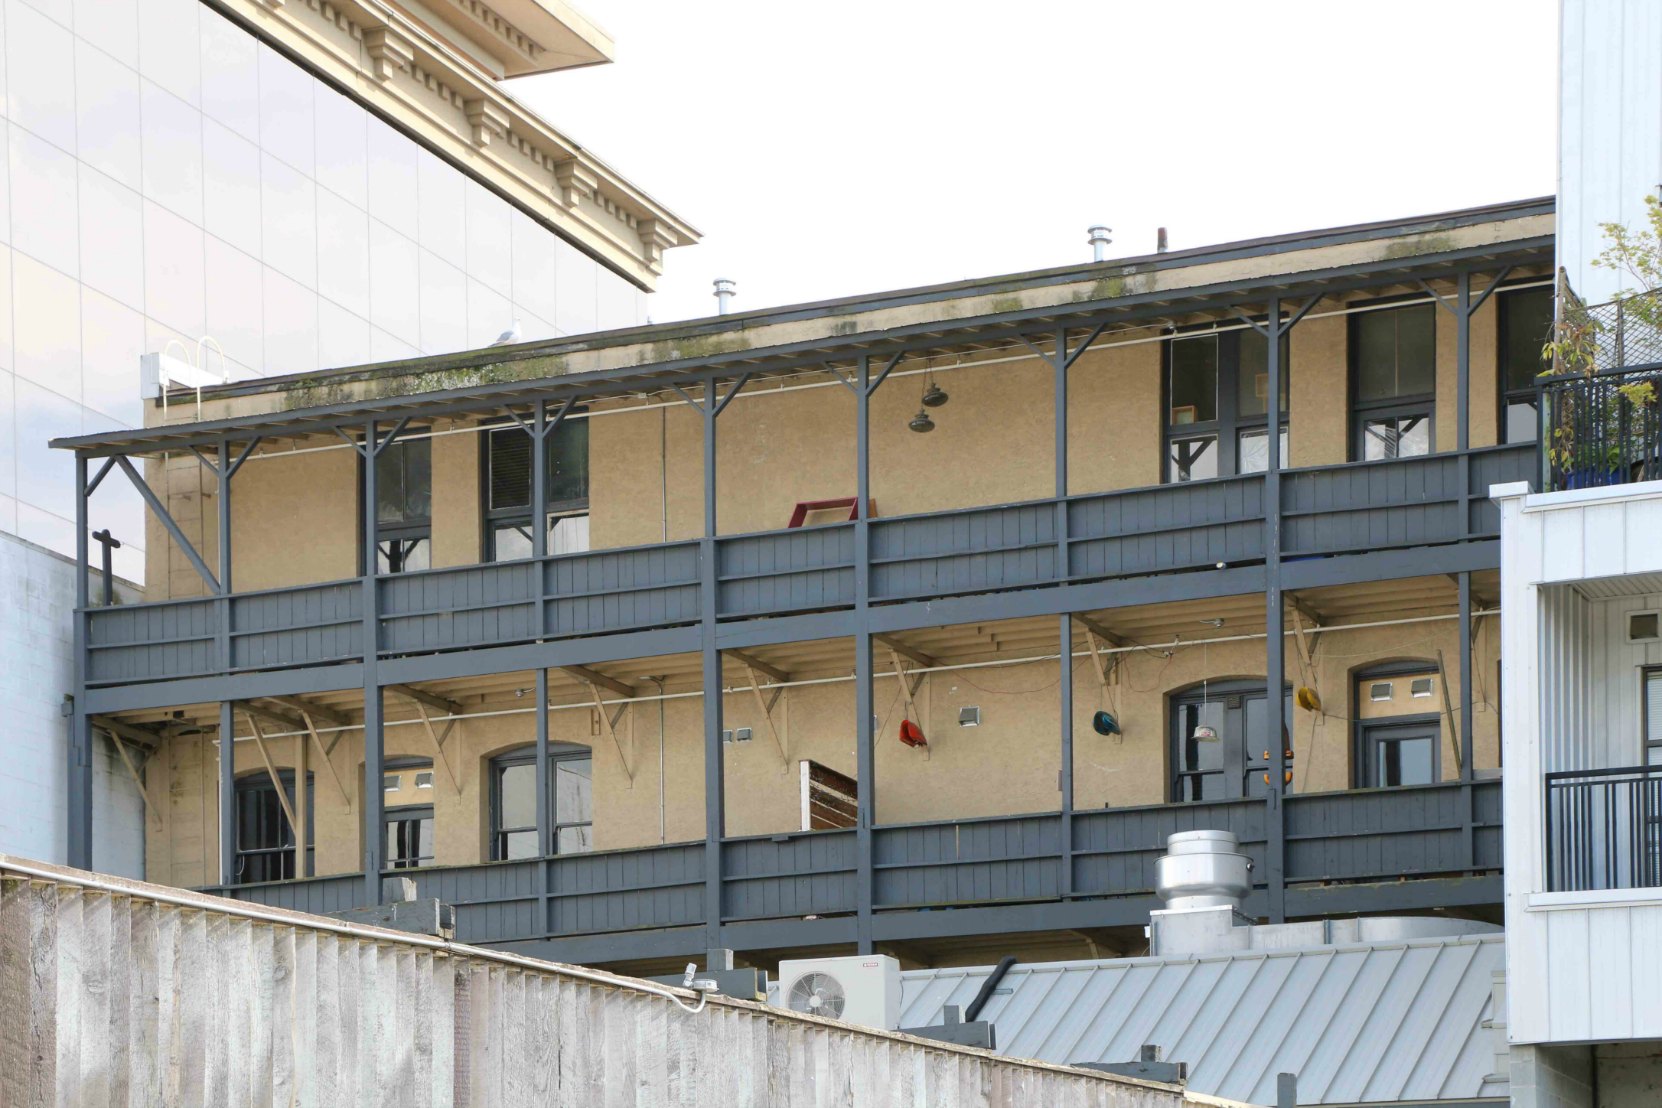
(1416, 350)
(568, 463)
(574, 840)
(1192, 459)
(1194, 380)
(520, 844)
(1527, 325)
(404, 482)
(573, 790)
(511, 541)
(1396, 437)
(1405, 762)
(1520, 421)
(568, 534)
(1395, 352)
(389, 485)
(517, 796)
(402, 555)
(1252, 382)
(510, 469)
(1252, 454)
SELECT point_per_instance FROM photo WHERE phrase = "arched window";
(514, 802)
(1217, 740)
(407, 817)
(265, 840)
(1399, 725)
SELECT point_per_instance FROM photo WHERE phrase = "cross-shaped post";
(109, 542)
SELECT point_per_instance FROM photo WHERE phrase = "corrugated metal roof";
(1357, 1024)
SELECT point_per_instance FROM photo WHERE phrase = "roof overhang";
(1130, 294)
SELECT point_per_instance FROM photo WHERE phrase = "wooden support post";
(328, 762)
(302, 807)
(766, 709)
(438, 745)
(610, 723)
(150, 804)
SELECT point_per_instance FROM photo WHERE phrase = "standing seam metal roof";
(1358, 1023)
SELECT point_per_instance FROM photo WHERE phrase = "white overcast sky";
(831, 149)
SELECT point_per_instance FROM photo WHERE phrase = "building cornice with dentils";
(396, 66)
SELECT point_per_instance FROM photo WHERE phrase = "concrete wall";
(37, 671)
(123, 998)
(992, 444)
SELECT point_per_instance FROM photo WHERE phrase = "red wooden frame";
(800, 513)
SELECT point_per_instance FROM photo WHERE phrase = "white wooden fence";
(120, 993)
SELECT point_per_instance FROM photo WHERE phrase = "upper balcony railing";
(1601, 423)
(1325, 510)
(1601, 429)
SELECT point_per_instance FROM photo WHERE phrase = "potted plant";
(1603, 431)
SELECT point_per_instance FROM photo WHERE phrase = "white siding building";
(308, 190)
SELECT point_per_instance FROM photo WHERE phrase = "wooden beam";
(273, 715)
(1097, 628)
(311, 729)
(897, 647)
(907, 685)
(270, 769)
(150, 804)
(422, 696)
(131, 732)
(766, 708)
(316, 711)
(750, 661)
(438, 745)
(595, 677)
(610, 723)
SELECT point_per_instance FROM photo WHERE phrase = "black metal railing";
(1604, 829)
(1601, 429)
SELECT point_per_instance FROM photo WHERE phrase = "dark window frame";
(1239, 762)
(1418, 405)
(493, 519)
(403, 813)
(1370, 737)
(1507, 394)
(1227, 429)
(259, 781)
(407, 534)
(527, 755)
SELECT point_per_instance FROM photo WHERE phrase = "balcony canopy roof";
(1210, 283)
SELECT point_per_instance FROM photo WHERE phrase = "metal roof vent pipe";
(1160, 241)
(725, 291)
(1099, 241)
(1204, 880)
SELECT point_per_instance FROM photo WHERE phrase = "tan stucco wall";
(295, 520)
(1318, 386)
(458, 530)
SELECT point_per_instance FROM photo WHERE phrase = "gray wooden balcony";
(1386, 843)
(1329, 510)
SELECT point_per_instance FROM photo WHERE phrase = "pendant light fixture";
(1204, 732)
(921, 422)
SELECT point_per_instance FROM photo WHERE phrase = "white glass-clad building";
(178, 169)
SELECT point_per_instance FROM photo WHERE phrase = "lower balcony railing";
(1604, 829)
(1377, 835)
